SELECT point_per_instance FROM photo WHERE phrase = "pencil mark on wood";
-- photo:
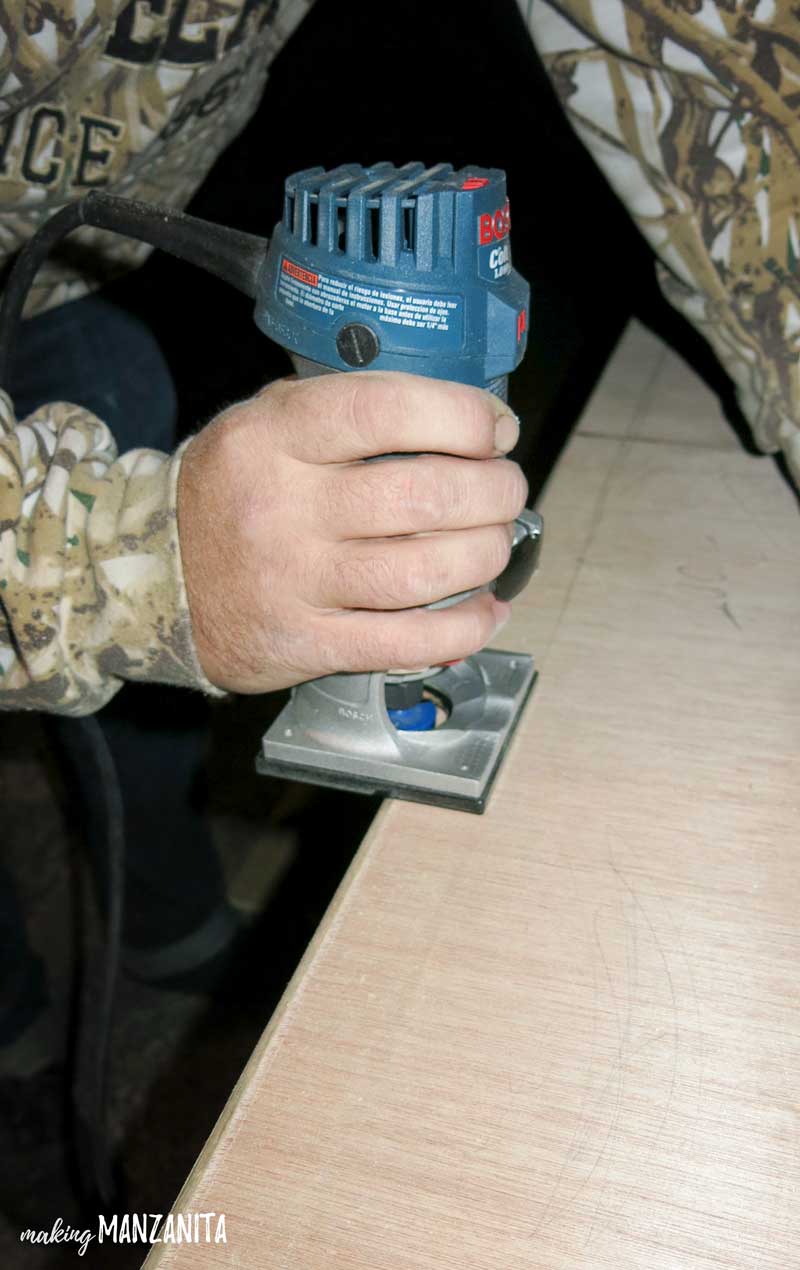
(726, 608)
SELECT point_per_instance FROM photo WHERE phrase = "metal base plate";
(335, 732)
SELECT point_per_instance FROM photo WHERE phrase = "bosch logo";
(356, 716)
(492, 228)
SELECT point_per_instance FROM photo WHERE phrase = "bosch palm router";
(393, 268)
(402, 269)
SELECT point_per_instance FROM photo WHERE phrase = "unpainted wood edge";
(202, 1169)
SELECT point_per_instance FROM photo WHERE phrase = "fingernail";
(506, 433)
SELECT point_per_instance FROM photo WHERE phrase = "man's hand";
(302, 560)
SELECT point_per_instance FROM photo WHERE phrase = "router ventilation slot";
(410, 227)
(375, 231)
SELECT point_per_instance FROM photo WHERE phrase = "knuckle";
(372, 405)
(343, 499)
(314, 646)
(457, 501)
(304, 407)
(369, 494)
(402, 641)
(431, 573)
(226, 437)
(415, 648)
(375, 580)
(404, 576)
(269, 408)
(368, 650)
(317, 412)
(405, 489)
(423, 572)
(394, 651)
(279, 392)
(449, 493)
(404, 486)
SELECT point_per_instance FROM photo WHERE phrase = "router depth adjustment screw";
(357, 345)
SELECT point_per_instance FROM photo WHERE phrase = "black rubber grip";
(524, 556)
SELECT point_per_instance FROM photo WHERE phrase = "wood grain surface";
(566, 1035)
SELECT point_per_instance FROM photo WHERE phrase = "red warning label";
(302, 275)
(322, 297)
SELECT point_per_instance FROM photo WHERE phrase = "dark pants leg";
(93, 353)
(22, 984)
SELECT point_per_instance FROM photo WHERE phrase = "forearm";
(91, 580)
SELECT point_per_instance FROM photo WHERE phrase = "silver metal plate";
(336, 732)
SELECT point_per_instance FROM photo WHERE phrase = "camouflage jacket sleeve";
(91, 586)
(691, 111)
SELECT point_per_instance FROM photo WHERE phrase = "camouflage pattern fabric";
(91, 586)
(140, 97)
(692, 110)
(135, 96)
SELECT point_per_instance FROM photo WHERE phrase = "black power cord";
(229, 254)
(94, 1005)
(236, 258)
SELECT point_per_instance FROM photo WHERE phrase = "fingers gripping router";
(397, 269)
(403, 269)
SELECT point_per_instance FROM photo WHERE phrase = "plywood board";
(566, 1035)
